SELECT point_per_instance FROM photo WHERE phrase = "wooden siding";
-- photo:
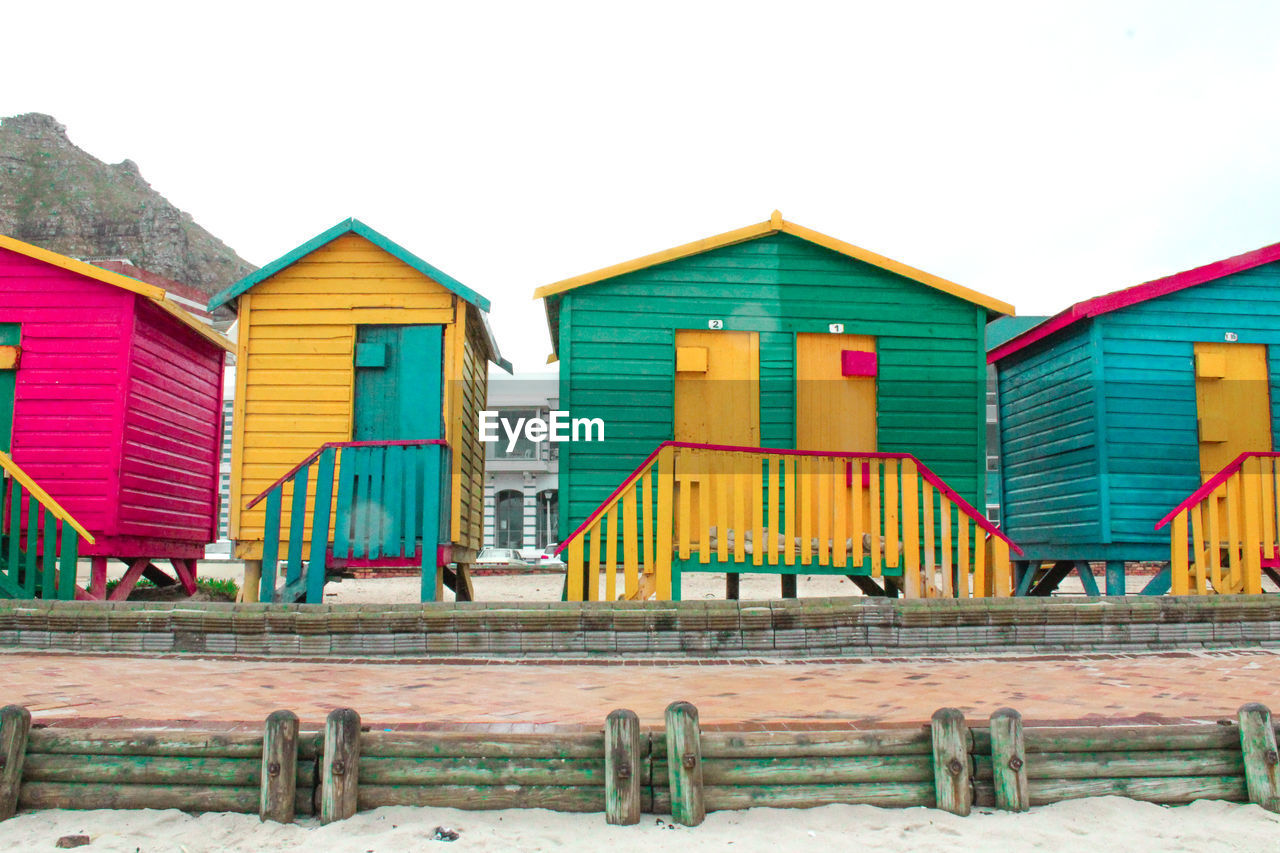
(468, 453)
(172, 431)
(617, 356)
(1153, 454)
(296, 375)
(69, 396)
(1049, 449)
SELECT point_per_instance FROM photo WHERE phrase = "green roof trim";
(352, 226)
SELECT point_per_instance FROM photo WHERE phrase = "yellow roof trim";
(775, 225)
(115, 279)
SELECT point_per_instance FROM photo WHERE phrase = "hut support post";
(1115, 577)
(684, 764)
(15, 724)
(279, 767)
(952, 767)
(1261, 764)
(1087, 580)
(622, 768)
(339, 771)
(1009, 760)
(252, 580)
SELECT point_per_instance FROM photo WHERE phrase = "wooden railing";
(744, 509)
(45, 566)
(371, 501)
(1224, 535)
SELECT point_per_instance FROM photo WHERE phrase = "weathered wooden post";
(1258, 743)
(279, 767)
(622, 768)
(684, 764)
(952, 769)
(339, 771)
(15, 723)
(1009, 760)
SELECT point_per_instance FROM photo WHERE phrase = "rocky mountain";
(54, 195)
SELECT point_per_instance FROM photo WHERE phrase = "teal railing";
(44, 566)
(356, 503)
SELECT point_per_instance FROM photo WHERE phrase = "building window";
(523, 448)
(509, 519)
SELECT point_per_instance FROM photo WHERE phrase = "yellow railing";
(783, 511)
(1224, 534)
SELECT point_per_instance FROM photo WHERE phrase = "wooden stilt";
(250, 590)
(732, 586)
(867, 585)
(1115, 577)
(98, 577)
(130, 579)
(186, 571)
(463, 591)
(789, 586)
(158, 576)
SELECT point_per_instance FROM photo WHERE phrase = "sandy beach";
(1079, 825)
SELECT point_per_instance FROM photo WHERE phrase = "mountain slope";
(56, 196)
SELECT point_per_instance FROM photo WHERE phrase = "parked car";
(500, 558)
(549, 559)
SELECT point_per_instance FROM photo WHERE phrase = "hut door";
(398, 383)
(1233, 404)
(717, 399)
(835, 392)
(9, 338)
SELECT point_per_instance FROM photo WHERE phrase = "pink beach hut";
(111, 401)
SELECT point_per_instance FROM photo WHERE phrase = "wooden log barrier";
(15, 725)
(952, 767)
(1008, 761)
(279, 772)
(684, 764)
(622, 768)
(340, 768)
(1258, 746)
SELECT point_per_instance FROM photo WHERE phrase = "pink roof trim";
(1133, 295)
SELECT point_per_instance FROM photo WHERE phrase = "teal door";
(10, 334)
(399, 372)
(384, 493)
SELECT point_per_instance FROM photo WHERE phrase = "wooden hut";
(361, 370)
(841, 375)
(111, 400)
(1115, 410)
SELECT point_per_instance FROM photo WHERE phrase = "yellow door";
(1233, 403)
(717, 401)
(835, 393)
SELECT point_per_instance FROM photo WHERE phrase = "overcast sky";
(1040, 153)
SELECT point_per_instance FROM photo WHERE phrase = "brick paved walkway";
(1169, 687)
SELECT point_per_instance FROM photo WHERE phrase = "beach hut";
(772, 399)
(110, 401)
(1121, 408)
(361, 371)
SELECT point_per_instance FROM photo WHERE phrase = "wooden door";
(398, 380)
(399, 372)
(717, 401)
(1233, 403)
(835, 392)
(9, 353)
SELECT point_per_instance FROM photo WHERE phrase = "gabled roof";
(350, 226)
(776, 225)
(355, 226)
(1145, 292)
(155, 294)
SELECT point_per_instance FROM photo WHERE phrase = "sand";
(1092, 825)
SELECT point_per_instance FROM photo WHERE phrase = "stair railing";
(45, 566)
(1224, 535)
(754, 507)
(371, 500)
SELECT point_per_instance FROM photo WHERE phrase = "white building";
(521, 493)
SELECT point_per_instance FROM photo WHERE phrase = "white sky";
(1041, 153)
